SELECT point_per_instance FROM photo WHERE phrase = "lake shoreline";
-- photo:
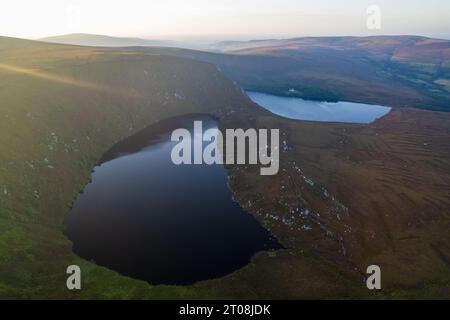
(129, 202)
(343, 112)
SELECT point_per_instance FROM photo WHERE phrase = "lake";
(300, 109)
(149, 219)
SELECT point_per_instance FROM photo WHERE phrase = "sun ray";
(67, 80)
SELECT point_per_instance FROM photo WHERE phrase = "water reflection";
(299, 109)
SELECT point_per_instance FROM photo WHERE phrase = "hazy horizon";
(203, 20)
(211, 39)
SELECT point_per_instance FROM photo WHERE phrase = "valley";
(394, 71)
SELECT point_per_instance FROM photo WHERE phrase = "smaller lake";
(299, 109)
(149, 219)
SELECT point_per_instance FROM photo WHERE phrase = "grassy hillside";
(374, 194)
(357, 195)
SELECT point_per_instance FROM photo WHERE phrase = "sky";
(222, 19)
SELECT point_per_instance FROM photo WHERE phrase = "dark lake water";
(149, 219)
(300, 109)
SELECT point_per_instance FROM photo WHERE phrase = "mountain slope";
(390, 70)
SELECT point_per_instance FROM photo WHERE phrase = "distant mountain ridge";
(94, 40)
(396, 46)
